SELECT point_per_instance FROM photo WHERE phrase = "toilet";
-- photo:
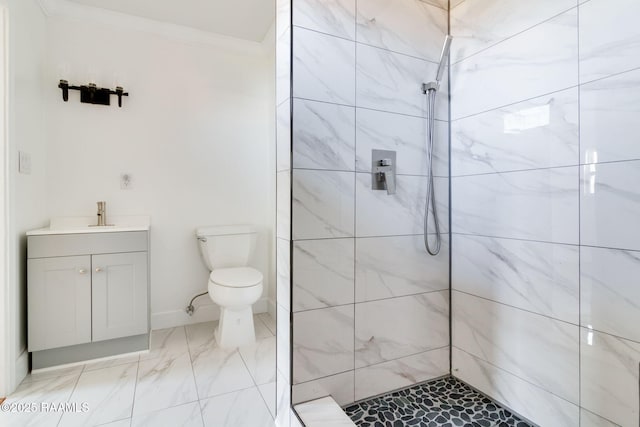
(233, 286)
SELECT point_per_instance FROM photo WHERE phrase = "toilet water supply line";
(431, 90)
(190, 308)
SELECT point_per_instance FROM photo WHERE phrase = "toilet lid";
(238, 277)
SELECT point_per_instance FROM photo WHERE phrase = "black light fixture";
(91, 94)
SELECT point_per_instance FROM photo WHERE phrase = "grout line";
(550, 168)
(516, 34)
(135, 389)
(364, 172)
(358, 107)
(371, 301)
(511, 104)
(546, 316)
(517, 376)
(382, 236)
(578, 165)
(395, 52)
(547, 242)
(193, 372)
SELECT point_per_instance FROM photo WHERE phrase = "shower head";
(443, 57)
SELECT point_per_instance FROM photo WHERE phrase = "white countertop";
(81, 225)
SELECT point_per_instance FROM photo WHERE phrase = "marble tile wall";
(370, 307)
(545, 163)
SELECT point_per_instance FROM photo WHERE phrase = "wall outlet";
(126, 181)
(24, 163)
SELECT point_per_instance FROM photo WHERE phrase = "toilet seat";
(237, 277)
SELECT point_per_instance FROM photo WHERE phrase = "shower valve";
(383, 168)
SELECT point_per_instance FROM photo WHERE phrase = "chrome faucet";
(386, 174)
(102, 214)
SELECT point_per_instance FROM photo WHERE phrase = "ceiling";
(243, 19)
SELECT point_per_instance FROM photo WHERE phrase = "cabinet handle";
(82, 271)
(98, 269)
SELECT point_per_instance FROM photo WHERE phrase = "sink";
(87, 224)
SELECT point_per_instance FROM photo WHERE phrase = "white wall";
(27, 203)
(195, 134)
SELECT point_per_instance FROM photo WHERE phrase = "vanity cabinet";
(87, 294)
(59, 299)
(119, 295)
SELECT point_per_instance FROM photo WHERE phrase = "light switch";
(24, 163)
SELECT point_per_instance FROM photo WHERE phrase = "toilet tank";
(226, 246)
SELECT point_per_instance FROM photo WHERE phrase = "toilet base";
(235, 328)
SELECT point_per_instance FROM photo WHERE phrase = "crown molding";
(178, 33)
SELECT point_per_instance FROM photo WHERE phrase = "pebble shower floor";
(444, 402)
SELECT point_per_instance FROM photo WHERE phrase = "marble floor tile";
(268, 392)
(260, 360)
(50, 373)
(111, 362)
(219, 371)
(261, 328)
(244, 408)
(120, 423)
(160, 390)
(108, 392)
(163, 383)
(187, 415)
(167, 343)
(53, 390)
(269, 322)
(200, 337)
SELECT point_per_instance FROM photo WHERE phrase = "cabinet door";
(59, 301)
(119, 299)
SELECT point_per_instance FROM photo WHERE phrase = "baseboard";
(271, 308)
(22, 367)
(203, 313)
